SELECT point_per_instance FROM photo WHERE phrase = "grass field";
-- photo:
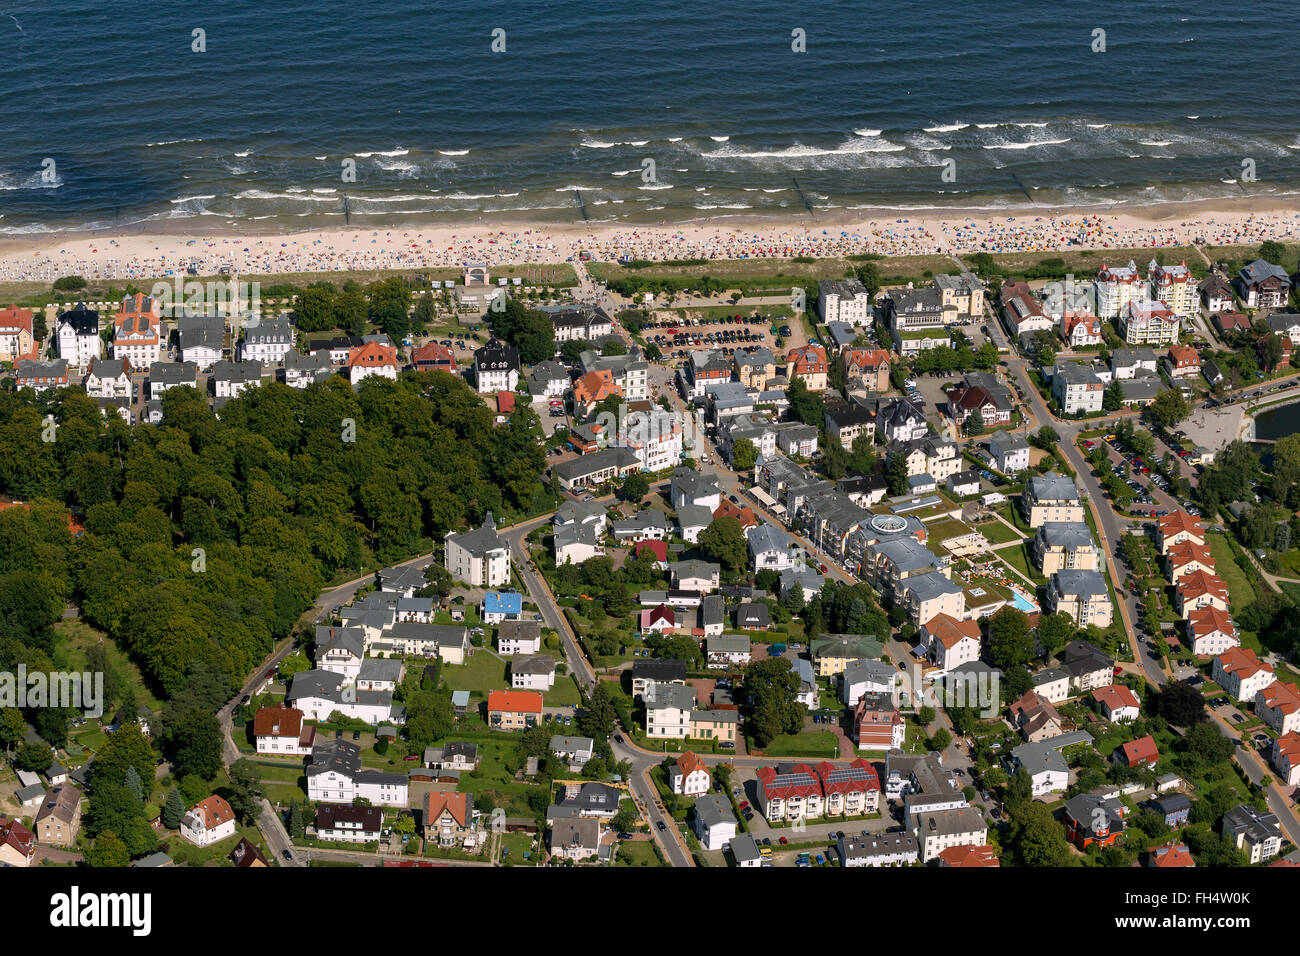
(483, 672)
(1240, 591)
(74, 638)
(1019, 559)
(997, 532)
(807, 743)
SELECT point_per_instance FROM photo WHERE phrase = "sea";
(250, 114)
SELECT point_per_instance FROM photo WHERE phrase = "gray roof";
(591, 796)
(200, 331)
(712, 810)
(743, 848)
(867, 846)
(949, 822)
(560, 742)
(1052, 487)
(1255, 825)
(694, 516)
(1260, 270)
(768, 537)
(659, 669)
(1089, 583)
(173, 373)
(712, 611)
(1141, 388)
(727, 644)
(1065, 534)
(337, 755)
(1008, 440)
(277, 331)
(905, 553)
(579, 511)
(930, 585)
(1126, 356)
(351, 639)
(578, 468)
(238, 372)
(1046, 754)
(479, 541)
(675, 696)
(318, 362)
(869, 670)
(378, 668)
(753, 614)
(533, 664)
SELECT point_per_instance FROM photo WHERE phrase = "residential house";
(576, 838)
(870, 366)
(1116, 287)
(302, 370)
(40, 376)
(17, 844)
(1175, 286)
(950, 642)
(208, 821)
(1091, 819)
(340, 824)
(809, 365)
(1022, 312)
(1141, 752)
(108, 379)
(1278, 705)
(232, 379)
(1182, 361)
(926, 596)
(755, 365)
(1174, 856)
(1285, 757)
(962, 295)
(725, 652)
(372, 360)
(1241, 674)
(969, 856)
(448, 818)
(659, 670)
(1253, 830)
(1080, 329)
(714, 822)
(496, 368)
(940, 830)
(1212, 632)
(267, 342)
(668, 709)
(533, 672)
(17, 341)
(831, 654)
(574, 751)
(1216, 293)
(1010, 451)
(76, 332)
(479, 557)
(695, 575)
(844, 300)
(1088, 665)
(1184, 558)
(138, 331)
(796, 438)
(720, 724)
(1065, 546)
(201, 339)
(165, 375)
(878, 849)
(690, 487)
(281, 731)
(1117, 703)
(1051, 497)
(1036, 718)
(866, 677)
(1077, 389)
(514, 709)
(519, 637)
(689, 776)
(846, 422)
(59, 818)
(1178, 527)
(1263, 285)
(597, 468)
(501, 606)
(334, 775)
(753, 616)
(586, 324)
(1174, 808)
(916, 319)
(1148, 323)
(1198, 590)
(877, 723)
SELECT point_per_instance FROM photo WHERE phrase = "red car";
(743, 804)
(821, 568)
(784, 840)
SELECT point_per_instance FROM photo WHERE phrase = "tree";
(1054, 630)
(173, 811)
(772, 686)
(743, 454)
(1272, 251)
(1169, 408)
(125, 750)
(635, 486)
(724, 541)
(1179, 703)
(429, 717)
(941, 739)
(424, 314)
(298, 823)
(975, 422)
(246, 791)
(192, 742)
(598, 715)
(896, 474)
(1034, 837)
(805, 406)
(1010, 643)
(986, 356)
(108, 850)
(613, 346)
(1112, 398)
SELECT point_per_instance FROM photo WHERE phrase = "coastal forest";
(197, 543)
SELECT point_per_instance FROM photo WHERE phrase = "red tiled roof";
(438, 801)
(215, 810)
(1168, 857)
(950, 631)
(1115, 696)
(658, 548)
(1142, 750)
(800, 781)
(968, 856)
(1171, 524)
(515, 701)
(277, 722)
(372, 355)
(1280, 696)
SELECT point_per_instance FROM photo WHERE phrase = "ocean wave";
(719, 139)
(479, 195)
(987, 125)
(172, 142)
(402, 167)
(1029, 145)
(264, 194)
(453, 152)
(598, 144)
(1034, 125)
(391, 152)
(867, 132)
(569, 189)
(739, 205)
(799, 151)
(1156, 142)
(949, 128)
(243, 154)
(675, 139)
(181, 199)
(656, 186)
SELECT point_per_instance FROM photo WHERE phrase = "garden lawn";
(481, 673)
(807, 743)
(997, 532)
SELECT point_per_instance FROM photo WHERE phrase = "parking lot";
(677, 337)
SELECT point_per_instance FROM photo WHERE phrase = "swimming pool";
(1023, 603)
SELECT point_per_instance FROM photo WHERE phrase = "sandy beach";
(130, 256)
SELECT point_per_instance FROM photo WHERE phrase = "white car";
(910, 383)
